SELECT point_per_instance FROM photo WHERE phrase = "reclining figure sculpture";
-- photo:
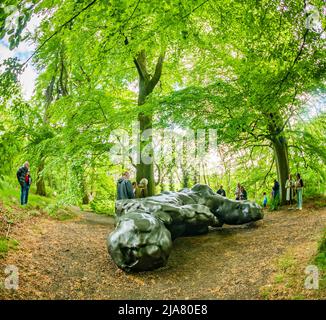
(145, 228)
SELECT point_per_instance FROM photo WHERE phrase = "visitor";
(124, 187)
(243, 193)
(238, 191)
(28, 181)
(275, 195)
(298, 187)
(264, 200)
(276, 189)
(21, 175)
(289, 186)
(221, 191)
(142, 190)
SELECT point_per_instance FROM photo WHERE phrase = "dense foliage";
(252, 70)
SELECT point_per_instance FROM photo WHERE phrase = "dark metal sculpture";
(145, 229)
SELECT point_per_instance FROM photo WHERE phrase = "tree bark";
(147, 84)
(276, 128)
(40, 184)
(282, 164)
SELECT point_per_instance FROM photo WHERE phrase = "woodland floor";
(69, 260)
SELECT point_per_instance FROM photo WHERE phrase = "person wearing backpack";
(21, 177)
(299, 187)
(124, 187)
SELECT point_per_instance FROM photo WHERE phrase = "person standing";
(28, 182)
(238, 191)
(275, 195)
(289, 185)
(299, 188)
(124, 187)
(221, 191)
(21, 176)
(243, 193)
(264, 200)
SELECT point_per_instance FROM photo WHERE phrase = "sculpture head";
(139, 242)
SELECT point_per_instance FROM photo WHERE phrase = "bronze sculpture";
(145, 228)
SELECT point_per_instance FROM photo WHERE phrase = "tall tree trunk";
(147, 84)
(171, 181)
(40, 184)
(85, 199)
(282, 164)
(162, 184)
(185, 167)
(146, 170)
(276, 126)
(196, 174)
(185, 178)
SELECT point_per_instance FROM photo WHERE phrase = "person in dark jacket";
(276, 189)
(124, 187)
(28, 182)
(21, 175)
(221, 191)
(275, 195)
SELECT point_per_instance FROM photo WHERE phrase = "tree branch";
(157, 74)
(268, 172)
(58, 30)
(140, 62)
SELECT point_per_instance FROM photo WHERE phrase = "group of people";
(128, 190)
(293, 189)
(240, 193)
(25, 180)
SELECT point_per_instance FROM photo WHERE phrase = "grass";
(320, 261)
(279, 278)
(286, 262)
(288, 281)
(63, 214)
(6, 244)
(10, 195)
(11, 212)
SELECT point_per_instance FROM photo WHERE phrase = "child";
(264, 200)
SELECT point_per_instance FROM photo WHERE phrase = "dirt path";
(69, 260)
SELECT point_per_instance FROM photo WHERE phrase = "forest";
(178, 92)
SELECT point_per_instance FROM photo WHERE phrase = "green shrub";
(103, 206)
